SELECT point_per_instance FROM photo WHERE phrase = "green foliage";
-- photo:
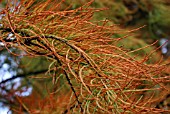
(29, 64)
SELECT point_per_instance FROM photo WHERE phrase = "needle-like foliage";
(103, 77)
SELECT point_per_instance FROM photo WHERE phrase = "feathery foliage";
(102, 77)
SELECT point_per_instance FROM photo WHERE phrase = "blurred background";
(152, 15)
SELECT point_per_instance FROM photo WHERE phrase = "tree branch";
(23, 75)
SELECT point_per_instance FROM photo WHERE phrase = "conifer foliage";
(102, 77)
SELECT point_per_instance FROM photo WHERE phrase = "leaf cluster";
(103, 77)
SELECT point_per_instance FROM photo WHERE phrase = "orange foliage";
(104, 78)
